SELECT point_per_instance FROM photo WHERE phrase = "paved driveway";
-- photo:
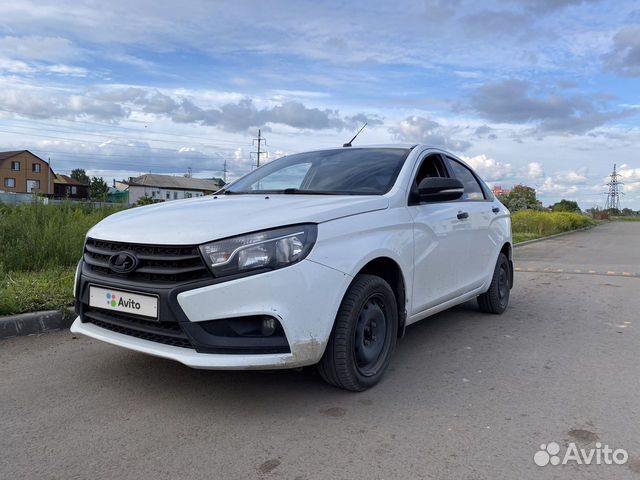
(468, 396)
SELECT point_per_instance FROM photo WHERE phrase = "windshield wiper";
(298, 191)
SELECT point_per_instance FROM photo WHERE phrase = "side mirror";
(438, 189)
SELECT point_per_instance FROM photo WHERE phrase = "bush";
(547, 223)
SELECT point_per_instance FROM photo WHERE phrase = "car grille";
(157, 264)
(168, 333)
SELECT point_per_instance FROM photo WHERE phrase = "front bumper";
(304, 298)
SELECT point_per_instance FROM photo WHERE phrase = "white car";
(322, 257)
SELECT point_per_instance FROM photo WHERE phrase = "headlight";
(270, 249)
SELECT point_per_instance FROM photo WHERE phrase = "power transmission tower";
(259, 141)
(613, 195)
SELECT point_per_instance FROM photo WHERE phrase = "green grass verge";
(529, 224)
(23, 292)
(40, 246)
(524, 237)
(625, 218)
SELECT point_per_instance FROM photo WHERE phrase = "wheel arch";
(391, 272)
(507, 249)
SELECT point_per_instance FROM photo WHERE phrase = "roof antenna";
(348, 144)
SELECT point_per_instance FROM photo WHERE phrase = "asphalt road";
(468, 395)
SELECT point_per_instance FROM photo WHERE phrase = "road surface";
(468, 395)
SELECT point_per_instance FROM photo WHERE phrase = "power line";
(613, 195)
(112, 126)
(259, 141)
(79, 140)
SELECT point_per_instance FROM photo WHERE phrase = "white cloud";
(630, 177)
(489, 169)
(573, 177)
(535, 170)
(423, 130)
(552, 186)
(50, 49)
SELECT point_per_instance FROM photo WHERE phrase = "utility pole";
(259, 141)
(613, 195)
(224, 177)
(189, 172)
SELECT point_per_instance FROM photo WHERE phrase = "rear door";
(475, 206)
(439, 240)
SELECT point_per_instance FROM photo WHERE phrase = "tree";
(566, 206)
(98, 189)
(80, 175)
(521, 197)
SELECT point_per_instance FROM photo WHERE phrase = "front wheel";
(363, 337)
(496, 299)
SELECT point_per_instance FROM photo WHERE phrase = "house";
(162, 188)
(23, 172)
(66, 187)
(498, 190)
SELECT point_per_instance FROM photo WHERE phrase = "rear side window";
(472, 189)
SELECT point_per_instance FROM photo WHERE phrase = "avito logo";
(114, 301)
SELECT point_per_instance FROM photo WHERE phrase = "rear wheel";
(363, 337)
(496, 299)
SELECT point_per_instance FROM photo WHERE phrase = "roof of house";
(12, 153)
(179, 183)
(67, 180)
(5, 155)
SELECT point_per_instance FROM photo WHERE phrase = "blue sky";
(540, 92)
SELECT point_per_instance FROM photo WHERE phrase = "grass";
(530, 224)
(625, 218)
(50, 289)
(40, 246)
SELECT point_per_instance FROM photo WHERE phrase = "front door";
(439, 238)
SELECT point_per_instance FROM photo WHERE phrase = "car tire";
(363, 336)
(496, 299)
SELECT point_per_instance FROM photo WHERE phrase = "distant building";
(164, 188)
(66, 187)
(23, 172)
(498, 190)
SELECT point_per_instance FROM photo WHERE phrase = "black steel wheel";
(496, 298)
(363, 337)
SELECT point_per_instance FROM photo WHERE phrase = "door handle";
(495, 209)
(462, 215)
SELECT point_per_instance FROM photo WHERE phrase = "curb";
(35, 323)
(536, 240)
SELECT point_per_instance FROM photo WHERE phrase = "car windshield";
(349, 171)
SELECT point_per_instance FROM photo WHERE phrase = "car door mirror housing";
(438, 189)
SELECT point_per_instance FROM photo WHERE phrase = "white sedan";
(321, 257)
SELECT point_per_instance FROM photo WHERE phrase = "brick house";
(23, 172)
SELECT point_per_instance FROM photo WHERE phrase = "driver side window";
(432, 166)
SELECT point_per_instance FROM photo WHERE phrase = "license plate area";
(124, 301)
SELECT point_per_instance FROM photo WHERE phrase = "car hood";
(185, 222)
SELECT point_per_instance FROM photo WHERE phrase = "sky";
(544, 93)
